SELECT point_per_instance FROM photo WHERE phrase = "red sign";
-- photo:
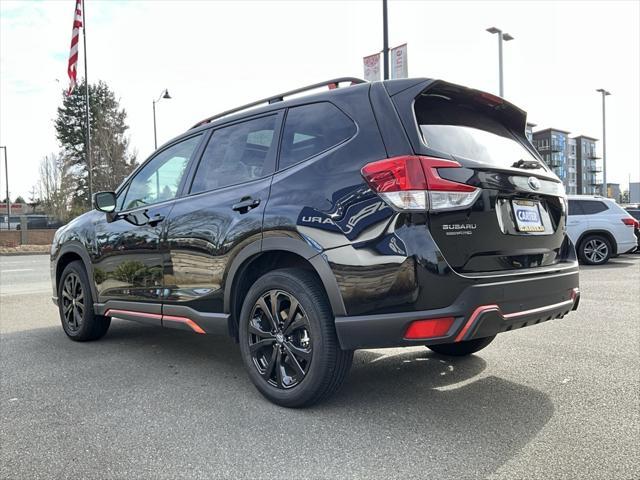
(16, 208)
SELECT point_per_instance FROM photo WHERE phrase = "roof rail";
(334, 83)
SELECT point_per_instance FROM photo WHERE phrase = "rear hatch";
(517, 218)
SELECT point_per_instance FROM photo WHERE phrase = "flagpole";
(86, 103)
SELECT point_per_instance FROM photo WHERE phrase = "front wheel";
(461, 349)
(288, 339)
(75, 304)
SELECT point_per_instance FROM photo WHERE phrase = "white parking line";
(18, 270)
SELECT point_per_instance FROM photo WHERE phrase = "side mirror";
(104, 201)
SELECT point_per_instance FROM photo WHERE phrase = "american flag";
(73, 54)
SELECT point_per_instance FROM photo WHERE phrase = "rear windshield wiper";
(532, 164)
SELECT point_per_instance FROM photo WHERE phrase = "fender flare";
(292, 245)
(78, 249)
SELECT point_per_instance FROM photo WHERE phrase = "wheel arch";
(69, 253)
(276, 252)
(604, 233)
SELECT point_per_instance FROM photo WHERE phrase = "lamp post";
(6, 171)
(164, 94)
(605, 190)
(501, 36)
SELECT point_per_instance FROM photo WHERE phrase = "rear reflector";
(412, 182)
(430, 328)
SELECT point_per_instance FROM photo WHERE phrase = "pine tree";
(111, 159)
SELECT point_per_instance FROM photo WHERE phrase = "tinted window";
(311, 129)
(463, 130)
(590, 207)
(237, 154)
(159, 179)
(635, 213)
(575, 208)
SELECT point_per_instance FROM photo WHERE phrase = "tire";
(595, 250)
(75, 305)
(295, 361)
(462, 349)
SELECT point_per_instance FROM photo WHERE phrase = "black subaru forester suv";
(397, 213)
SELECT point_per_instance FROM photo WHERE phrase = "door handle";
(156, 219)
(246, 204)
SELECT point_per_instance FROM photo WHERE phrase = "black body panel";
(380, 268)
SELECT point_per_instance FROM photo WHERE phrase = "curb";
(17, 254)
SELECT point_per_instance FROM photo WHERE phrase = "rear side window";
(312, 129)
(590, 207)
(236, 154)
(575, 208)
(459, 128)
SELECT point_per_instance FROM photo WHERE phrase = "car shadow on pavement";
(468, 426)
(402, 413)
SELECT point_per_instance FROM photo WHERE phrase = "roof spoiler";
(508, 113)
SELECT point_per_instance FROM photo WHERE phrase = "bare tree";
(52, 191)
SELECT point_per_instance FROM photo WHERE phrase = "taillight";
(412, 182)
(631, 222)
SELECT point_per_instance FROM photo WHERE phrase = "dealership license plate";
(527, 215)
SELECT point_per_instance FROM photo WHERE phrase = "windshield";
(464, 131)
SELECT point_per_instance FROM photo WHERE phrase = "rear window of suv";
(312, 129)
(460, 129)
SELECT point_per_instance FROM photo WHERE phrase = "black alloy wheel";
(288, 339)
(279, 339)
(73, 302)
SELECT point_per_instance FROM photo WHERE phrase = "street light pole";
(155, 135)
(6, 171)
(385, 40)
(501, 36)
(164, 94)
(605, 190)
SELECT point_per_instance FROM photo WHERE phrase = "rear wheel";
(288, 339)
(75, 304)
(461, 349)
(595, 250)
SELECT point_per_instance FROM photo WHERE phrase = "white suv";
(599, 228)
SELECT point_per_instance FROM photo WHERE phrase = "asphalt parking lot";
(557, 400)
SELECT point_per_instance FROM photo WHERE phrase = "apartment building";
(573, 159)
(587, 167)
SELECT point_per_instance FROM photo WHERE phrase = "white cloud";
(215, 55)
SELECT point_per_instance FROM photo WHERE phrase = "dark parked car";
(397, 213)
(39, 222)
(634, 211)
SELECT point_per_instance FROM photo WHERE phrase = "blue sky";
(215, 55)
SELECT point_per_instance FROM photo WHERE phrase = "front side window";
(312, 129)
(159, 179)
(237, 154)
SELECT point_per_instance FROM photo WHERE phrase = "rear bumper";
(481, 310)
(628, 247)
